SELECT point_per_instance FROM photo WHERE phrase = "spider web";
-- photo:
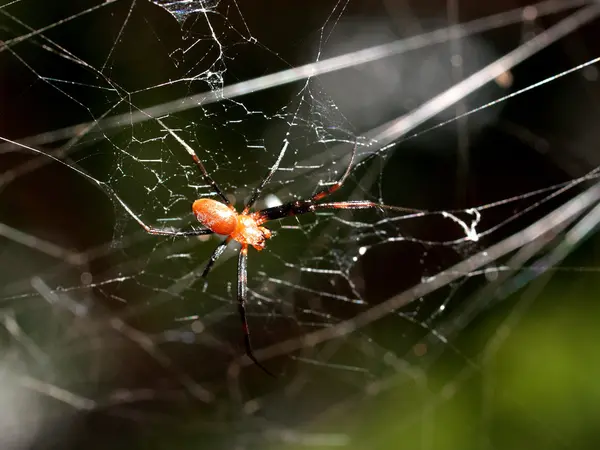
(441, 326)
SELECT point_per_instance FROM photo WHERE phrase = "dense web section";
(477, 124)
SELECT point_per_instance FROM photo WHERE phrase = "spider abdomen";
(214, 215)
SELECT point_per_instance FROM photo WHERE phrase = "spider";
(221, 217)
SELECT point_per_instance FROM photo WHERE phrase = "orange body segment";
(215, 215)
(249, 232)
(222, 219)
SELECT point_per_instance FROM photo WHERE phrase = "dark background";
(522, 372)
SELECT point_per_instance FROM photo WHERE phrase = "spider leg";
(300, 207)
(331, 189)
(212, 182)
(198, 163)
(213, 258)
(317, 196)
(360, 204)
(357, 204)
(161, 232)
(242, 297)
(258, 189)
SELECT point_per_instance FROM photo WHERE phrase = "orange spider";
(220, 217)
